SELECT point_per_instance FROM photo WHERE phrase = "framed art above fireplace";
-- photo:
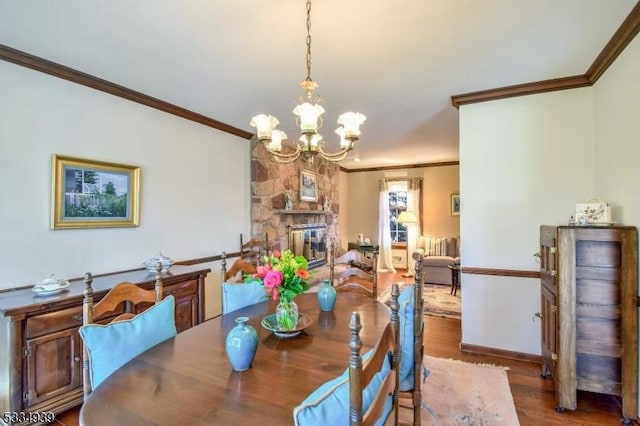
(308, 186)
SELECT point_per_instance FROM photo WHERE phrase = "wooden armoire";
(589, 294)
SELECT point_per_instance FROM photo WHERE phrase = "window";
(397, 204)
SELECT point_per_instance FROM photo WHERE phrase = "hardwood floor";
(533, 396)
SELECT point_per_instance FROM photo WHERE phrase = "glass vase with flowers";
(284, 276)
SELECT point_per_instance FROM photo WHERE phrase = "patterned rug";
(462, 393)
(438, 300)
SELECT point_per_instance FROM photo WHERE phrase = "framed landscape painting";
(308, 186)
(93, 194)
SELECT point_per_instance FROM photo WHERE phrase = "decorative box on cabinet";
(589, 289)
(41, 360)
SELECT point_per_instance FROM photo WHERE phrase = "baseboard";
(500, 353)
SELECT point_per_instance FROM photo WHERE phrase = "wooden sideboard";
(41, 360)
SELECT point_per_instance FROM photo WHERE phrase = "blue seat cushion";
(329, 403)
(238, 295)
(113, 345)
(407, 305)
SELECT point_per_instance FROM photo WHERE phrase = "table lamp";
(407, 218)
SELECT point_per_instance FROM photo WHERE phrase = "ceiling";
(398, 62)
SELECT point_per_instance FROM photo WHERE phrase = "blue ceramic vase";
(326, 296)
(241, 344)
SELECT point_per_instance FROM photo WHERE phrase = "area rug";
(438, 300)
(461, 393)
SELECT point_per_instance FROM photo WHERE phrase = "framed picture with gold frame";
(308, 185)
(93, 194)
(455, 205)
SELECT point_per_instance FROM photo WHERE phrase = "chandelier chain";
(308, 40)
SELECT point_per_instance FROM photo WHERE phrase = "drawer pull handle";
(77, 317)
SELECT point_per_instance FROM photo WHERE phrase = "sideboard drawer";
(182, 289)
(51, 322)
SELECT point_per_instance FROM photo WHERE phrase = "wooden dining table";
(188, 380)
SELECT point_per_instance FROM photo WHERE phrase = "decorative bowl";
(270, 323)
(164, 260)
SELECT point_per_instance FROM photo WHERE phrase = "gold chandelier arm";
(283, 158)
(340, 155)
(277, 159)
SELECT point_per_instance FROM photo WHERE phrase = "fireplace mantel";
(307, 212)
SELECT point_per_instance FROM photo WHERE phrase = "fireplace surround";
(310, 241)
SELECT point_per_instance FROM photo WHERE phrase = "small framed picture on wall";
(308, 186)
(455, 204)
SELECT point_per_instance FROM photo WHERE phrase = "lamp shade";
(407, 217)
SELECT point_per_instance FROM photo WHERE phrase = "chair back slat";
(356, 262)
(362, 374)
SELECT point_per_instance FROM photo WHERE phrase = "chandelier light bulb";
(351, 122)
(277, 136)
(344, 143)
(264, 125)
(308, 114)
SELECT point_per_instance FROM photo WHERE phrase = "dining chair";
(366, 392)
(119, 327)
(237, 295)
(381, 367)
(412, 342)
(239, 266)
(353, 272)
(253, 250)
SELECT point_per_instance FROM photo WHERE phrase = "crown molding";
(520, 90)
(42, 65)
(619, 41)
(406, 166)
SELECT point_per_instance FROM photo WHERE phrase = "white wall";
(524, 162)
(617, 135)
(194, 180)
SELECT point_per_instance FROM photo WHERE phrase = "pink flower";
(261, 271)
(276, 253)
(275, 295)
(273, 279)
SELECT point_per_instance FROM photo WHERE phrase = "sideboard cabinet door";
(54, 366)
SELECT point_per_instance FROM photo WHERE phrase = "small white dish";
(41, 292)
(51, 285)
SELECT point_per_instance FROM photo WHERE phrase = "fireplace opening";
(309, 240)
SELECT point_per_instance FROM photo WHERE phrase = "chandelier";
(309, 119)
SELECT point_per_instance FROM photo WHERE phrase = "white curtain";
(413, 231)
(385, 260)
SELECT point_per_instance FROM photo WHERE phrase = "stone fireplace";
(270, 181)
